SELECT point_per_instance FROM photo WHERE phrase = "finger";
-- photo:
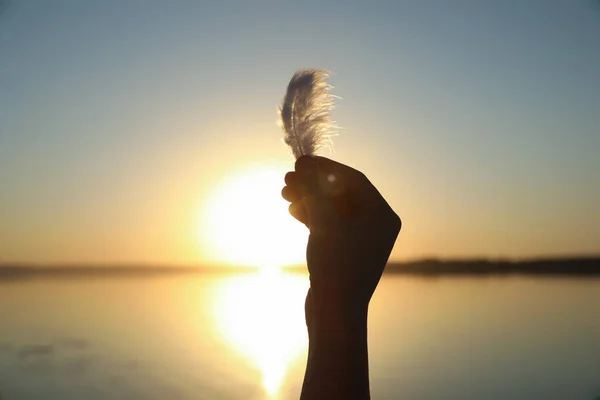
(305, 166)
(307, 175)
(298, 211)
(353, 182)
(297, 183)
(291, 194)
(335, 179)
(291, 178)
(310, 163)
(337, 171)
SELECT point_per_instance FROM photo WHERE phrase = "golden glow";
(262, 317)
(247, 222)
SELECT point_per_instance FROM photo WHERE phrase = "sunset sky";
(122, 121)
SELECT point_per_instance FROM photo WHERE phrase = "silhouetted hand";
(352, 230)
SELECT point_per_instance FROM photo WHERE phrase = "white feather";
(306, 112)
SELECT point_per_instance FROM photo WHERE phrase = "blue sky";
(478, 120)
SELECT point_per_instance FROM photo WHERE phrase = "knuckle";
(361, 176)
(305, 163)
(285, 192)
(395, 222)
(289, 177)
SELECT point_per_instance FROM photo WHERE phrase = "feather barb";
(305, 115)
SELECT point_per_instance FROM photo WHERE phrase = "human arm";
(352, 232)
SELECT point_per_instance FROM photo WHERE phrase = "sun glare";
(247, 222)
(262, 317)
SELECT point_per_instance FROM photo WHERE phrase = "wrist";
(329, 314)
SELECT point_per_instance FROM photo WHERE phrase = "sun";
(247, 223)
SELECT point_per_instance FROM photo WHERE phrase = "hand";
(352, 231)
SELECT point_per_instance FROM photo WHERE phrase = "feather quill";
(305, 115)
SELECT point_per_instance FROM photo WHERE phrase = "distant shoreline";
(581, 266)
(577, 266)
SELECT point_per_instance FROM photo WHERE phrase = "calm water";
(243, 337)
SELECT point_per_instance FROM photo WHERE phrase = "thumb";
(317, 200)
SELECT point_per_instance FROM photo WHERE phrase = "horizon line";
(213, 265)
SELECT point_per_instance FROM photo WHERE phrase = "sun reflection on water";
(262, 317)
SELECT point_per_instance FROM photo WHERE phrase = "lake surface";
(243, 337)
